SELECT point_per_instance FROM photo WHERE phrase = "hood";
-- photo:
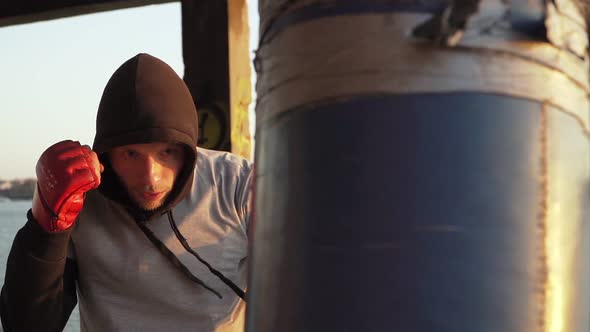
(145, 101)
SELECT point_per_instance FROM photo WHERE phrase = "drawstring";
(239, 292)
(173, 259)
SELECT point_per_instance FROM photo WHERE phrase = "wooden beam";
(13, 12)
(239, 77)
(206, 68)
(217, 71)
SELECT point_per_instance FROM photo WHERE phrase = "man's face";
(148, 171)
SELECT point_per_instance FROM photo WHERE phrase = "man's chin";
(151, 207)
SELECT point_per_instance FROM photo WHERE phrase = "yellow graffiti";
(211, 128)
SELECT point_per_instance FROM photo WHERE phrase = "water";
(12, 218)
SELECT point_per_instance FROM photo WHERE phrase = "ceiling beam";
(29, 11)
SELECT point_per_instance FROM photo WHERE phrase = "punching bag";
(422, 166)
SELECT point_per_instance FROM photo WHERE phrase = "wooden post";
(239, 77)
(215, 40)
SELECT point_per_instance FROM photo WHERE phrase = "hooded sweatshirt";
(124, 280)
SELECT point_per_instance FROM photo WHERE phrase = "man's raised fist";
(65, 172)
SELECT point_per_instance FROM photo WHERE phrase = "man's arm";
(39, 291)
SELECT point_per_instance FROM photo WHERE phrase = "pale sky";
(52, 74)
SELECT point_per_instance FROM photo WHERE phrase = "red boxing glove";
(65, 172)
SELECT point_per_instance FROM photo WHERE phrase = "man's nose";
(152, 171)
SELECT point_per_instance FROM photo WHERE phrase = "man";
(160, 245)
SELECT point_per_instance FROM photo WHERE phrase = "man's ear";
(105, 161)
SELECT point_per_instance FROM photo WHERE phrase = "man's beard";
(152, 205)
(145, 210)
(148, 208)
(145, 213)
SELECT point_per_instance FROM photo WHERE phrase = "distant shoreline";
(6, 199)
(17, 189)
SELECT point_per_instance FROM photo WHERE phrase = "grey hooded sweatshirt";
(122, 279)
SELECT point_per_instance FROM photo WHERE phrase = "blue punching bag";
(422, 166)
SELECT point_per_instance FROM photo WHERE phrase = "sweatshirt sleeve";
(244, 192)
(39, 291)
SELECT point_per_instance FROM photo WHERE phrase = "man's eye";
(131, 154)
(170, 152)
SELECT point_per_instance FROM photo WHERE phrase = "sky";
(52, 74)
